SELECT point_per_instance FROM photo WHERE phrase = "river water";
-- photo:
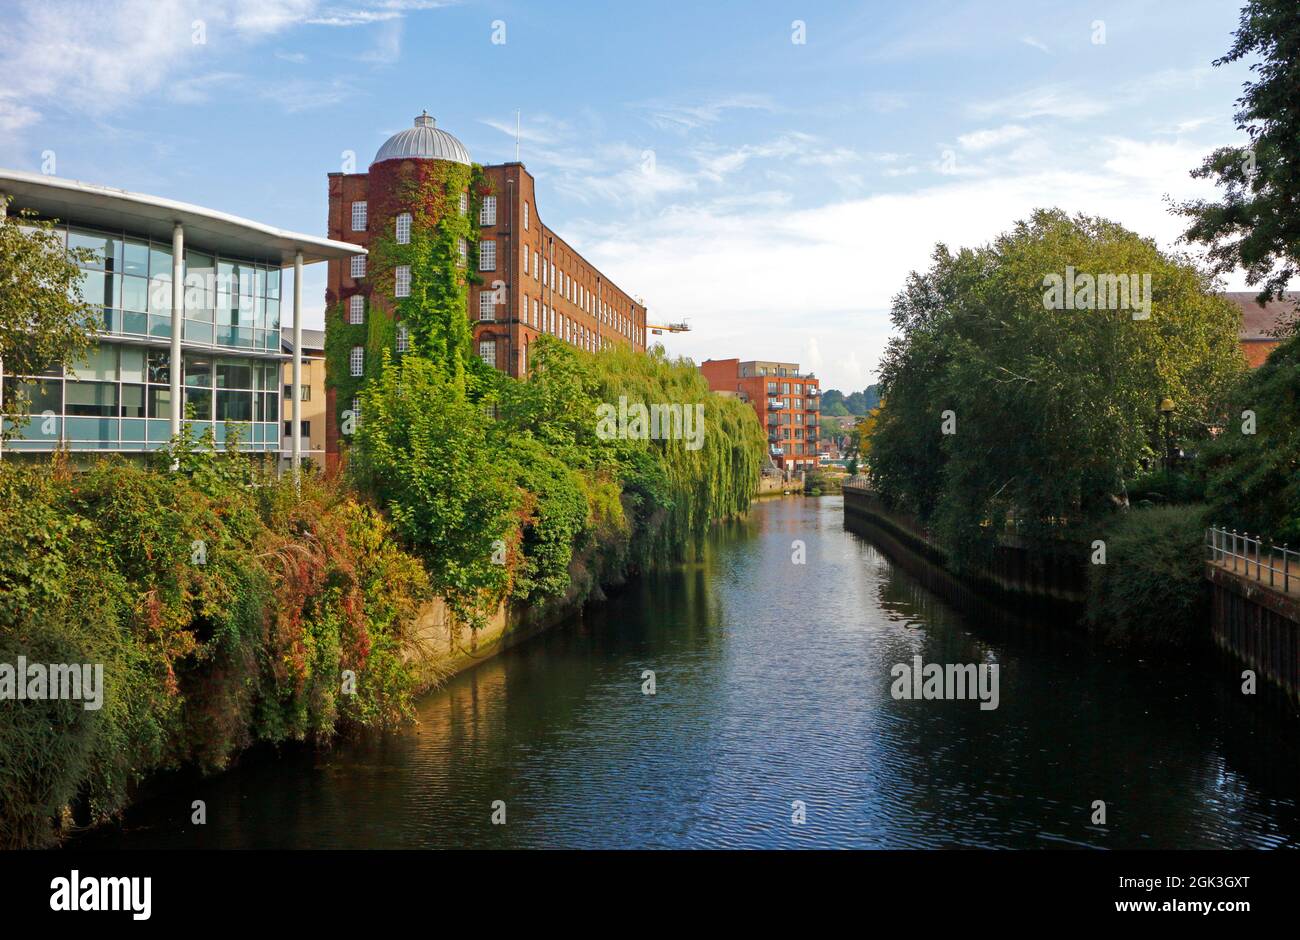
(773, 686)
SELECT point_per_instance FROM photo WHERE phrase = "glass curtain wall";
(119, 397)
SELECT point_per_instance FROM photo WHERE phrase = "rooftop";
(424, 141)
(106, 207)
(1262, 323)
(311, 339)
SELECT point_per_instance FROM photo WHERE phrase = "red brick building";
(1260, 325)
(534, 282)
(787, 402)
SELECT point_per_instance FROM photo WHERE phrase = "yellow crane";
(658, 328)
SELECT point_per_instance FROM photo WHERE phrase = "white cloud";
(886, 102)
(70, 56)
(676, 116)
(1048, 101)
(301, 95)
(14, 116)
(1035, 43)
(263, 17)
(197, 89)
(768, 280)
(536, 128)
(1155, 162)
(993, 137)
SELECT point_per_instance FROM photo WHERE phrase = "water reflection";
(773, 686)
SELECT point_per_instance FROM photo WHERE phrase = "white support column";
(178, 319)
(295, 388)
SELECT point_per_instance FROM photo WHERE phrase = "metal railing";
(1244, 554)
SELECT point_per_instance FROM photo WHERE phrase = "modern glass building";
(192, 302)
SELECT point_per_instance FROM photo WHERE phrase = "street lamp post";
(1167, 409)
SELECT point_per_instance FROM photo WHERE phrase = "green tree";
(1253, 467)
(1256, 226)
(420, 450)
(43, 317)
(556, 404)
(830, 398)
(997, 408)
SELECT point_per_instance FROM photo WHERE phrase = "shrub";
(1151, 591)
(201, 654)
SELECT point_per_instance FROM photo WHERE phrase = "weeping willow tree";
(683, 488)
(572, 505)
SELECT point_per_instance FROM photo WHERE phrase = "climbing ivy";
(436, 311)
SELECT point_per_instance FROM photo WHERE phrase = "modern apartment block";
(787, 402)
(533, 281)
(191, 303)
(312, 397)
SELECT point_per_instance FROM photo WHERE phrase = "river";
(772, 685)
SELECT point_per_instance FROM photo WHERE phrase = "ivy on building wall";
(436, 311)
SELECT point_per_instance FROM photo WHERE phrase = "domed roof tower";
(424, 141)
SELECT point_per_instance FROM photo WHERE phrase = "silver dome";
(424, 141)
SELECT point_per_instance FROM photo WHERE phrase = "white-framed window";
(526, 214)
(358, 266)
(525, 260)
(403, 338)
(357, 362)
(462, 253)
(402, 280)
(403, 228)
(487, 215)
(356, 309)
(464, 203)
(537, 265)
(487, 351)
(356, 411)
(358, 216)
(487, 256)
(487, 308)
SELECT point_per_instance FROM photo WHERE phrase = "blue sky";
(772, 193)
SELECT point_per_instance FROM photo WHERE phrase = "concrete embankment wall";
(775, 486)
(1054, 575)
(445, 646)
(1258, 626)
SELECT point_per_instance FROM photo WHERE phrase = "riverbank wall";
(1258, 626)
(445, 646)
(1049, 576)
(1255, 625)
(774, 485)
